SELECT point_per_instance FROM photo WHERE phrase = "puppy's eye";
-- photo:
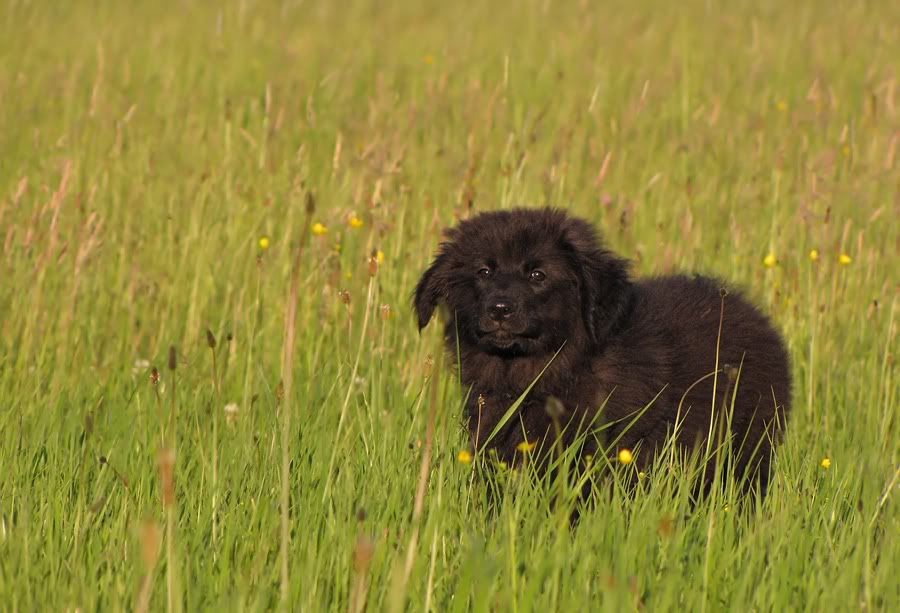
(484, 273)
(537, 276)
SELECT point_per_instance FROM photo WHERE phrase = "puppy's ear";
(431, 289)
(606, 291)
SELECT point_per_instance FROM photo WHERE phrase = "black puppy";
(522, 286)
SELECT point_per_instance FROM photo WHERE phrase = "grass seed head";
(150, 540)
(555, 408)
(231, 413)
(166, 461)
(362, 554)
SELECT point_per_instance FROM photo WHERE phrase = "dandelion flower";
(264, 242)
(355, 222)
(844, 259)
(464, 456)
(526, 447)
(625, 456)
(814, 255)
(319, 229)
(770, 260)
(825, 463)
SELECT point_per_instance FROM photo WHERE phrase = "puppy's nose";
(500, 310)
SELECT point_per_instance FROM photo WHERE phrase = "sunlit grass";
(180, 177)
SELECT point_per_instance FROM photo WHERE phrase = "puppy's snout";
(500, 310)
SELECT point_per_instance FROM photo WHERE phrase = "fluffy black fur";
(521, 284)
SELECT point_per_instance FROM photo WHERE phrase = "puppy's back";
(669, 346)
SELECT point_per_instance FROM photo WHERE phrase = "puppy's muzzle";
(501, 310)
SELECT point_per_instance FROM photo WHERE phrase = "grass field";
(163, 170)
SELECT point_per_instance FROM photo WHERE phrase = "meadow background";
(164, 167)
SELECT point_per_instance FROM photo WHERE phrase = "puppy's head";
(523, 282)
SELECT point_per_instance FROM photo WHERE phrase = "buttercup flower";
(525, 446)
(770, 260)
(264, 242)
(319, 229)
(625, 456)
(464, 456)
(355, 222)
(825, 463)
(844, 259)
(814, 255)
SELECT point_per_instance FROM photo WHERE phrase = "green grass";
(145, 151)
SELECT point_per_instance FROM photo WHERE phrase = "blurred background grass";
(155, 165)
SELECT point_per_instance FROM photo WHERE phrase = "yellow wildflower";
(825, 463)
(845, 150)
(319, 229)
(355, 222)
(264, 242)
(770, 260)
(525, 446)
(844, 259)
(782, 105)
(814, 255)
(625, 456)
(465, 456)
(428, 59)
(379, 256)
